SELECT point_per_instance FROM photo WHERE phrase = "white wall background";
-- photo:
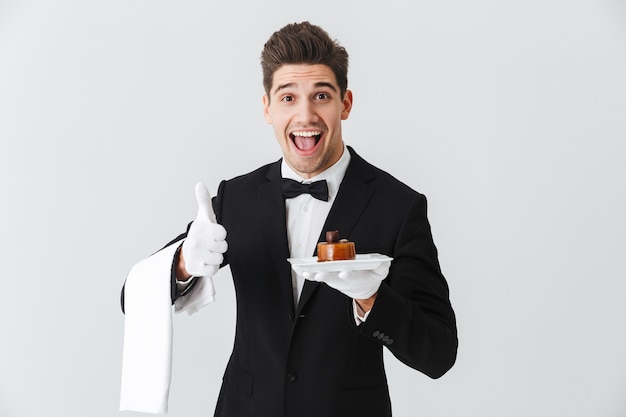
(509, 115)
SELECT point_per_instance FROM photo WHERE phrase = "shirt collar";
(333, 175)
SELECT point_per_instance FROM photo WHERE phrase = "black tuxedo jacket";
(311, 359)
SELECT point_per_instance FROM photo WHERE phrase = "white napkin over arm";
(148, 337)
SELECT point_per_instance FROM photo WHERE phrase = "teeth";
(306, 134)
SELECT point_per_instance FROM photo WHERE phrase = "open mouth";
(305, 140)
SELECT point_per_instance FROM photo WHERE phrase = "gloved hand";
(361, 284)
(206, 240)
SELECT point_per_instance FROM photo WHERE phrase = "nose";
(306, 112)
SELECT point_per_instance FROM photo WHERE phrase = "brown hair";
(303, 43)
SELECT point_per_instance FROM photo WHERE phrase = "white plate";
(364, 261)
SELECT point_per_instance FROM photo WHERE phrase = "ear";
(266, 109)
(347, 105)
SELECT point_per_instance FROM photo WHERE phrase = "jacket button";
(376, 333)
(292, 377)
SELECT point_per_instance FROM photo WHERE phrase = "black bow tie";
(293, 188)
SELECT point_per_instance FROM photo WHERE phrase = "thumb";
(205, 207)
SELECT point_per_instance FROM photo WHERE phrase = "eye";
(287, 98)
(321, 96)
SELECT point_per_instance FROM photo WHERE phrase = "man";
(311, 344)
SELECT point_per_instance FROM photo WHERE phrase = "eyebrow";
(317, 85)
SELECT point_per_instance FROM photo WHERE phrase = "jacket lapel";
(272, 214)
(352, 199)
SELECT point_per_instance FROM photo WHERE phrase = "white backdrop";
(509, 115)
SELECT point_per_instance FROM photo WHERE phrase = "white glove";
(206, 240)
(359, 284)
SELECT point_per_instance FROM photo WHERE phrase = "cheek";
(279, 132)
(279, 123)
(333, 121)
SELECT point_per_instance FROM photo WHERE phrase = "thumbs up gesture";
(206, 240)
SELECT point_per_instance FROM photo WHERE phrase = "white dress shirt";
(306, 215)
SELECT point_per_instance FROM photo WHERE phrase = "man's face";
(305, 109)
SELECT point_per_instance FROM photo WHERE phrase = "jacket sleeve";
(412, 315)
